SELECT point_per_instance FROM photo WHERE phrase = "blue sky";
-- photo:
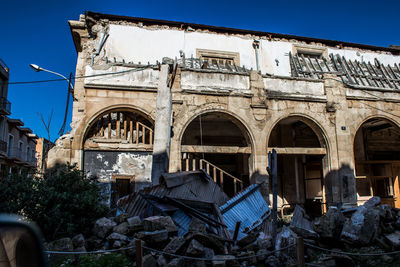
(37, 32)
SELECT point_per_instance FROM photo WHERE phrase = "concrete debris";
(362, 227)
(195, 249)
(62, 244)
(149, 261)
(159, 223)
(331, 224)
(197, 228)
(79, 241)
(175, 245)
(154, 237)
(121, 228)
(135, 220)
(301, 225)
(103, 226)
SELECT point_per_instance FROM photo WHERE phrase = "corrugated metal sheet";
(193, 185)
(248, 207)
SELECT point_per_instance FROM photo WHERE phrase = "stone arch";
(220, 142)
(87, 123)
(241, 123)
(117, 145)
(317, 127)
(376, 146)
(302, 146)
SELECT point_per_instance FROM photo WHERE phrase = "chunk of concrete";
(175, 245)
(394, 239)
(118, 237)
(149, 261)
(121, 218)
(121, 228)
(62, 244)
(286, 238)
(195, 249)
(79, 241)
(154, 223)
(223, 260)
(331, 224)
(135, 220)
(197, 226)
(362, 228)
(372, 202)
(155, 236)
(103, 227)
(301, 225)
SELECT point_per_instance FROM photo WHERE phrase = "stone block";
(301, 225)
(103, 227)
(79, 241)
(121, 228)
(159, 223)
(175, 245)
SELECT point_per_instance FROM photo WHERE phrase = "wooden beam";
(299, 150)
(216, 149)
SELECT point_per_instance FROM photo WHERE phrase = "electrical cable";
(163, 252)
(86, 76)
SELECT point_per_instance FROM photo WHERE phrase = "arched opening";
(220, 144)
(301, 150)
(377, 161)
(117, 151)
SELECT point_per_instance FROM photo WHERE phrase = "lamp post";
(70, 90)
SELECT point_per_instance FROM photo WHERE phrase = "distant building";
(17, 143)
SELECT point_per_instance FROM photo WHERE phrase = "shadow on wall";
(259, 178)
(340, 186)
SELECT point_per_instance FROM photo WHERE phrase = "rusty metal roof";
(248, 207)
(192, 185)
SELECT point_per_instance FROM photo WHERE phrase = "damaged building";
(154, 96)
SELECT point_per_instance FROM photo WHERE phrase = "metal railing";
(218, 174)
(5, 104)
(15, 152)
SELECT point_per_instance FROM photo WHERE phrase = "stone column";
(343, 186)
(162, 129)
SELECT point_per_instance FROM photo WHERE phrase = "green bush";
(63, 203)
(104, 260)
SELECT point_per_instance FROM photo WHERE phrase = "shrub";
(63, 203)
(104, 260)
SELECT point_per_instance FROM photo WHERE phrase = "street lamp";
(70, 90)
(37, 69)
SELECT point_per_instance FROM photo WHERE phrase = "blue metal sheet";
(248, 207)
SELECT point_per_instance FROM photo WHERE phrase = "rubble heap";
(188, 220)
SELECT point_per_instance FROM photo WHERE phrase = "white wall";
(138, 44)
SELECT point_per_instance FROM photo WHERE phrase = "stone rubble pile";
(371, 228)
(368, 229)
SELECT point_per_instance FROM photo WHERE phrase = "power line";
(86, 76)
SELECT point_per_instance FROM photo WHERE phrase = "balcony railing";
(21, 155)
(5, 105)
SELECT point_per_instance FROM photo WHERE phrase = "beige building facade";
(330, 109)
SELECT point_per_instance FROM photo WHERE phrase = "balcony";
(20, 157)
(5, 106)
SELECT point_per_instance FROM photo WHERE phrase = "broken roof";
(191, 185)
